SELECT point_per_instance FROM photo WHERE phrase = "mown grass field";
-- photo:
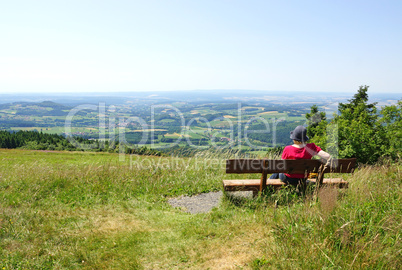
(66, 210)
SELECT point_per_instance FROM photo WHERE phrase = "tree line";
(34, 140)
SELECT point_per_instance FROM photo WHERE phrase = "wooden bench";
(299, 166)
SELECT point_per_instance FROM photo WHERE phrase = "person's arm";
(324, 155)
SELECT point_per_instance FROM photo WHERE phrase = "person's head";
(299, 135)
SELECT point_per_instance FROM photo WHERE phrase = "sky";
(115, 46)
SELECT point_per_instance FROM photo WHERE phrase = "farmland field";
(202, 121)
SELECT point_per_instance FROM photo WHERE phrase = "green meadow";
(76, 210)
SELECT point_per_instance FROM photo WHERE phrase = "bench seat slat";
(254, 184)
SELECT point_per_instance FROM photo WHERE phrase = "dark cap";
(299, 134)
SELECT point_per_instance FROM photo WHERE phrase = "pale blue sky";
(98, 46)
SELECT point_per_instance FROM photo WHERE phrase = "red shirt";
(307, 152)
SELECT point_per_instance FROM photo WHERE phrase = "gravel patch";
(201, 203)
(205, 202)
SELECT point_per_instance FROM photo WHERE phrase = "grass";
(61, 210)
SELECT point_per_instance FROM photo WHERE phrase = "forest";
(35, 141)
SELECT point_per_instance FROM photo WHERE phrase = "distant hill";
(44, 108)
(196, 96)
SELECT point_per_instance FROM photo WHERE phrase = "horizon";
(217, 96)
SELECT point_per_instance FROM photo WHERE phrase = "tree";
(317, 125)
(392, 122)
(358, 130)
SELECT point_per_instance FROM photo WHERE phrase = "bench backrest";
(295, 166)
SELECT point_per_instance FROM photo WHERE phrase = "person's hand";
(329, 161)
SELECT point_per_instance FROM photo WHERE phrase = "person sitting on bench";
(299, 150)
